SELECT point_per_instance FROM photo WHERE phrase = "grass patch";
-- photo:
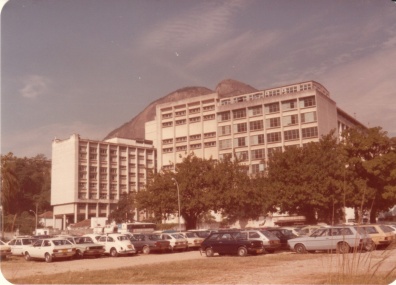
(209, 270)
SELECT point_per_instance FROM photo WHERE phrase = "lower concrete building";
(88, 177)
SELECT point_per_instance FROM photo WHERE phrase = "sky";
(87, 67)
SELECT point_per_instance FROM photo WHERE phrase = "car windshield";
(268, 234)
(386, 229)
(61, 242)
(122, 238)
(178, 236)
(191, 235)
(154, 237)
(84, 240)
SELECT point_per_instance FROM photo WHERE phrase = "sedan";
(50, 249)
(147, 243)
(86, 247)
(230, 243)
(194, 241)
(5, 250)
(339, 238)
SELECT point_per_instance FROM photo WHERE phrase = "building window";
(181, 148)
(257, 168)
(209, 117)
(291, 135)
(195, 119)
(225, 116)
(274, 137)
(272, 108)
(239, 142)
(180, 122)
(92, 176)
(307, 102)
(308, 117)
(209, 135)
(167, 150)
(181, 139)
(290, 120)
(196, 146)
(224, 130)
(210, 144)
(240, 128)
(208, 108)
(256, 140)
(242, 155)
(272, 123)
(180, 113)
(309, 132)
(167, 141)
(255, 111)
(256, 125)
(167, 116)
(305, 87)
(225, 155)
(195, 137)
(194, 111)
(225, 102)
(289, 105)
(258, 154)
(224, 144)
(167, 124)
(239, 114)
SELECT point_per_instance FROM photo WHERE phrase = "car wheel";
(369, 246)
(242, 251)
(27, 256)
(209, 252)
(343, 247)
(48, 257)
(146, 249)
(300, 248)
(78, 254)
(113, 252)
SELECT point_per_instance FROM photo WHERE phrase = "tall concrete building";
(89, 176)
(249, 126)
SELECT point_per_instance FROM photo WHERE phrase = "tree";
(308, 180)
(371, 163)
(125, 209)
(9, 183)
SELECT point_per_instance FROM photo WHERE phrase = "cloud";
(35, 86)
(200, 25)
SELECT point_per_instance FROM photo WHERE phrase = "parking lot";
(295, 266)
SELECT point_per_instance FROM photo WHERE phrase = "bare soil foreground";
(279, 268)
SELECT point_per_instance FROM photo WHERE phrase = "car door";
(36, 250)
(227, 244)
(319, 240)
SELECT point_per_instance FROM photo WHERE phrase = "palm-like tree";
(9, 181)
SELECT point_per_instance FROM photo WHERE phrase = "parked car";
(382, 235)
(147, 243)
(50, 249)
(307, 230)
(5, 250)
(117, 244)
(232, 242)
(289, 230)
(85, 246)
(193, 240)
(339, 238)
(94, 237)
(19, 244)
(177, 241)
(283, 235)
(270, 241)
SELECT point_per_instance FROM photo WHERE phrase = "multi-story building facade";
(89, 176)
(249, 126)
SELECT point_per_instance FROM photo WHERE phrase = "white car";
(116, 244)
(19, 244)
(49, 249)
(194, 241)
(177, 241)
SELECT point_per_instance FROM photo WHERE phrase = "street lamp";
(178, 200)
(35, 213)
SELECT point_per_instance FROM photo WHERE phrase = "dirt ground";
(307, 271)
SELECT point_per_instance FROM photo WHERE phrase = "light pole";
(178, 200)
(35, 213)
